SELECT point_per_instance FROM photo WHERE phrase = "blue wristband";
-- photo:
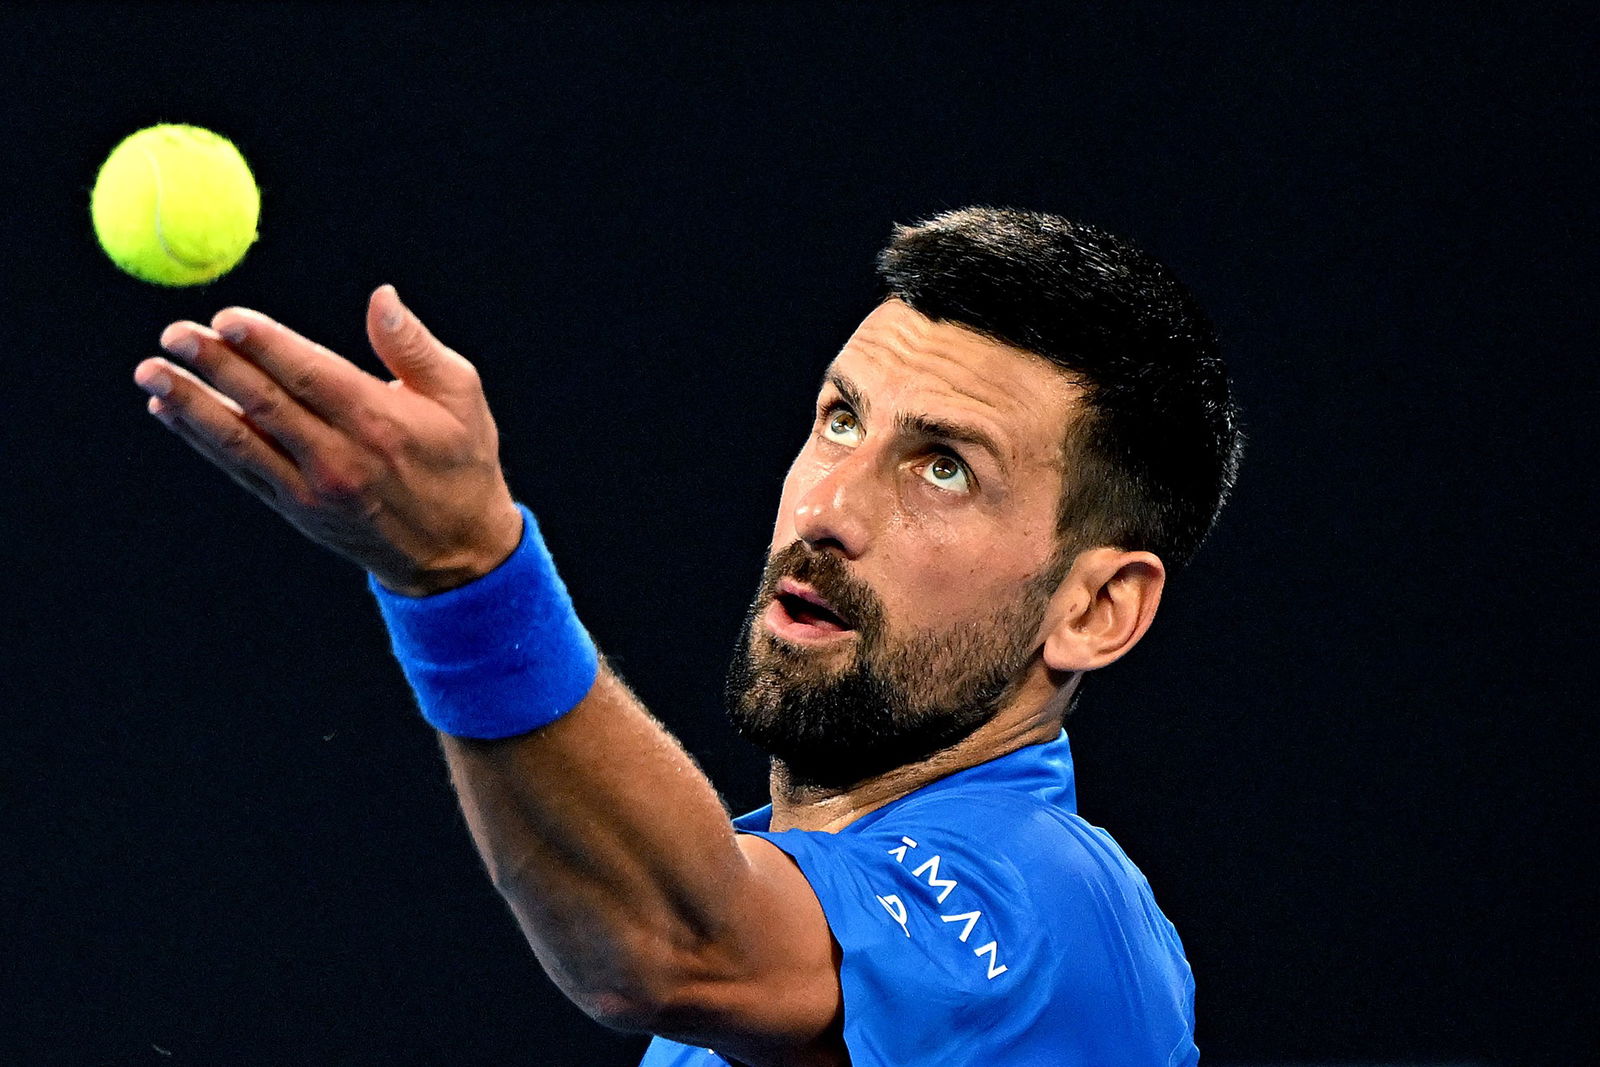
(499, 656)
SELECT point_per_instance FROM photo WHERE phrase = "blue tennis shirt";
(983, 923)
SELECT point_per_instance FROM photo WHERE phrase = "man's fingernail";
(391, 318)
(182, 345)
(157, 382)
(234, 332)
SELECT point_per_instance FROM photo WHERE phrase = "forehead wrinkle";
(875, 350)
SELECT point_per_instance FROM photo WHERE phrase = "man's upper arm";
(937, 932)
(769, 995)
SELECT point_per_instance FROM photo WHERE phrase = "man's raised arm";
(609, 844)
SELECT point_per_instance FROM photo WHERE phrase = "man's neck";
(809, 807)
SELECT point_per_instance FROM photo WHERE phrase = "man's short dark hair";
(1157, 448)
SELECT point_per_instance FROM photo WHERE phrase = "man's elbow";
(619, 1009)
(657, 1005)
(644, 991)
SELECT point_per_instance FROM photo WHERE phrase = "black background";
(1350, 755)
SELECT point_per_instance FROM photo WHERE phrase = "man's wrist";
(441, 576)
(499, 655)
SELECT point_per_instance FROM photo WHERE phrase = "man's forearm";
(606, 840)
(609, 844)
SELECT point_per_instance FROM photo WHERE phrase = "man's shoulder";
(1029, 848)
(998, 821)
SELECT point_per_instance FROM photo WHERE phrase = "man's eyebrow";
(939, 429)
(925, 426)
(847, 389)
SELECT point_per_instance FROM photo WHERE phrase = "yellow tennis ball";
(175, 205)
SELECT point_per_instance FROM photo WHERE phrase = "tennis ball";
(175, 205)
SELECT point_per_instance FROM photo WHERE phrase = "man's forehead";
(896, 325)
(897, 347)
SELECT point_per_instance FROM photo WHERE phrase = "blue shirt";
(983, 923)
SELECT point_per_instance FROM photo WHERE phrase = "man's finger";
(265, 403)
(411, 352)
(317, 378)
(257, 485)
(218, 430)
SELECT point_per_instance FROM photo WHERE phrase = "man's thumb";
(409, 350)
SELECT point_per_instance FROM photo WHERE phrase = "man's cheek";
(935, 598)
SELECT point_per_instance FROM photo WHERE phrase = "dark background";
(1350, 756)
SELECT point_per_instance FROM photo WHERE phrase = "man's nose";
(838, 509)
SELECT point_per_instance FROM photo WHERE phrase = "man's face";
(913, 554)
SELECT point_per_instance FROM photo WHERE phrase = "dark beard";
(896, 702)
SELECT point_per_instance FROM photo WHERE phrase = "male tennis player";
(1007, 456)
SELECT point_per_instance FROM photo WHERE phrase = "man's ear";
(1102, 608)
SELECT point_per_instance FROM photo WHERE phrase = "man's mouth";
(799, 613)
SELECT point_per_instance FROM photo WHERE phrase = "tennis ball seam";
(161, 237)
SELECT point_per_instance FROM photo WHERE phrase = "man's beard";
(898, 700)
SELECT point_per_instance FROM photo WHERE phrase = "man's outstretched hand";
(402, 477)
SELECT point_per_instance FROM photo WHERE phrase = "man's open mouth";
(800, 613)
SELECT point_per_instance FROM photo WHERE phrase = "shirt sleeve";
(943, 959)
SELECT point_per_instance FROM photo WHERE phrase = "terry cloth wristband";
(499, 656)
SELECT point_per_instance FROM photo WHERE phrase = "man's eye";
(947, 473)
(842, 426)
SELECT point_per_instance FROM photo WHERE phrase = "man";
(1007, 455)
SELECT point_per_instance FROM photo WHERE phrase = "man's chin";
(833, 715)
